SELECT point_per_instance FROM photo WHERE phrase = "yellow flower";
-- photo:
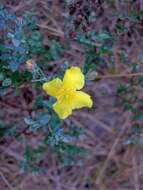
(67, 92)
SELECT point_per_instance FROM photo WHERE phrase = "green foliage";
(3, 129)
(96, 45)
(110, 2)
(54, 50)
(6, 82)
(32, 158)
(21, 41)
(13, 47)
(70, 154)
(56, 137)
(6, 130)
(132, 103)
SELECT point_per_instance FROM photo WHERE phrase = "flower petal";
(62, 109)
(52, 87)
(73, 79)
(82, 100)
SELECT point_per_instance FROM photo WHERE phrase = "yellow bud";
(30, 64)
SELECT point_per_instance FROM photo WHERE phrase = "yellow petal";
(62, 109)
(82, 100)
(73, 79)
(52, 87)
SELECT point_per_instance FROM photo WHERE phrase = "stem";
(119, 75)
(6, 181)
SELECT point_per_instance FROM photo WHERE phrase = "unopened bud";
(30, 64)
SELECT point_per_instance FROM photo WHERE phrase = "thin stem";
(119, 75)
(6, 181)
(99, 178)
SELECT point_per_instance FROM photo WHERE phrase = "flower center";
(65, 95)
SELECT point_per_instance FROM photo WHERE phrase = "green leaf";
(104, 36)
(7, 82)
(13, 66)
(29, 121)
(1, 76)
(3, 129)
(55, 50)
(44, 119)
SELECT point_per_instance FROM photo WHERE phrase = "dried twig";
(136, 176)
(95, 120)
(127, 75)
(6, 181)
(111, 153)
